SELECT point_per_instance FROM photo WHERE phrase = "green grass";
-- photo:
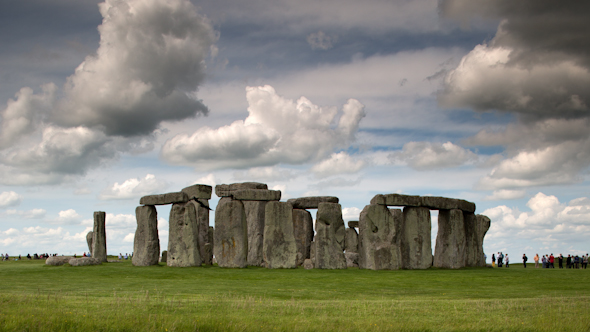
(121, 297)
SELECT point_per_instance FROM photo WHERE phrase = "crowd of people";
(546, 261)
(5, 257)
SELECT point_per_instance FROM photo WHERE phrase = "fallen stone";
(330, 237)
(164, 199)
(352, 240)
(183, 243)
(89, 241)
(431, 202)
(353, 224)
(231, 234)
(226, 190)
(257, 195)
(379, 229)
(279, 248)
(352, 259)
(146, 245)
(57, 260)
(198, 191)
(303, 232)
(415, 243)
(311, 202)
(201, 206)
(164, 257)
(83, 261)
(255, 211)
(308, 264)
(99, 237)
(449, 252)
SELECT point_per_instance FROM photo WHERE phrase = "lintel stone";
(198, 191)
(163, 199)
(226, 190)
(431, 202)
(257, 195)
(311, 202)
(353, 224)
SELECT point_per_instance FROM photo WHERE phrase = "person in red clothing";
(551, 261)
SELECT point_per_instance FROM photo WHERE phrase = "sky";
(102, 103)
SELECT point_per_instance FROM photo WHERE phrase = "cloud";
(505, 194)
(338, 163)
(351, 213)
(68, 217)
(10, 198)
(31, 214)
(429, 156)
(133, 188)
(265, 174)
(277, 130)
(209, 179)
(321, 41)
(151, 54)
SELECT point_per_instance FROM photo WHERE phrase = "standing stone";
(481, 228)
(255, 211)
(379, 238)
(352, 259)
(352, 240)
(89, 241)
(201, 206)
(164, 257)
(476, 227)
(146, 245)
(303, 231)
(308, 264)
(183, 243)
(99, 237)
(416, 247)
(330, 237)
(279, 248)
(231, 234)
(450, 241)
(312, 252)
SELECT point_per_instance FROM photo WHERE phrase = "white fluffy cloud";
(505, 194)
(68, 217)
(428, 156)
(30, 214)
(277, 130)
(133, 188)
(338, 163)
(351, 213)
(10, 198)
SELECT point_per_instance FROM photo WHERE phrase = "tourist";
(524, 260)
(544, 260)
(568, 261)
(585, 261)
(126, 256)
(536, 259)
(493, 260)
(560, 260)
(507, 260)
(551, 261)
(120, 256)
(577, 262)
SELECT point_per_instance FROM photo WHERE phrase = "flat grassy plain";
(121, 297)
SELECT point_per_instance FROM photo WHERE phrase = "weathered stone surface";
(352, 259)
(164, 257)
(198, 191)
(330, 237)
(279, 248)
(450, 241)
(476, 226)
(89, 241)
(146, 245)
(303, 231)
(226, 190)
(83, 261)
(183, 243)
(257, 195)
(164, 199)
(415, 243)
(312, 252)
(352, 240)
(311, 202)
(308, 264)
(379, 229)
(231, 234)
(255, 211)
(57, 260)
(202, 214)
(208, 259)
(353, 224)
(99, 237)
(431, 202)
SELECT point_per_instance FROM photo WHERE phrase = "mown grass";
(121, 297)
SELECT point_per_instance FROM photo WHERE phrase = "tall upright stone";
(416, 247)
(450, 241)
(183, 243)
(146, 245)
(476, 227)
(201, 206)
(482, 225)
(303, 231)
(279, 248)
(330, 237)
(89, 241)
(99, 237)
(379, 229)
(208, 258)
(352, 240)
(255, 211)
(231, 234)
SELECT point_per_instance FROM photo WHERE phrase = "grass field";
(121, 297)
